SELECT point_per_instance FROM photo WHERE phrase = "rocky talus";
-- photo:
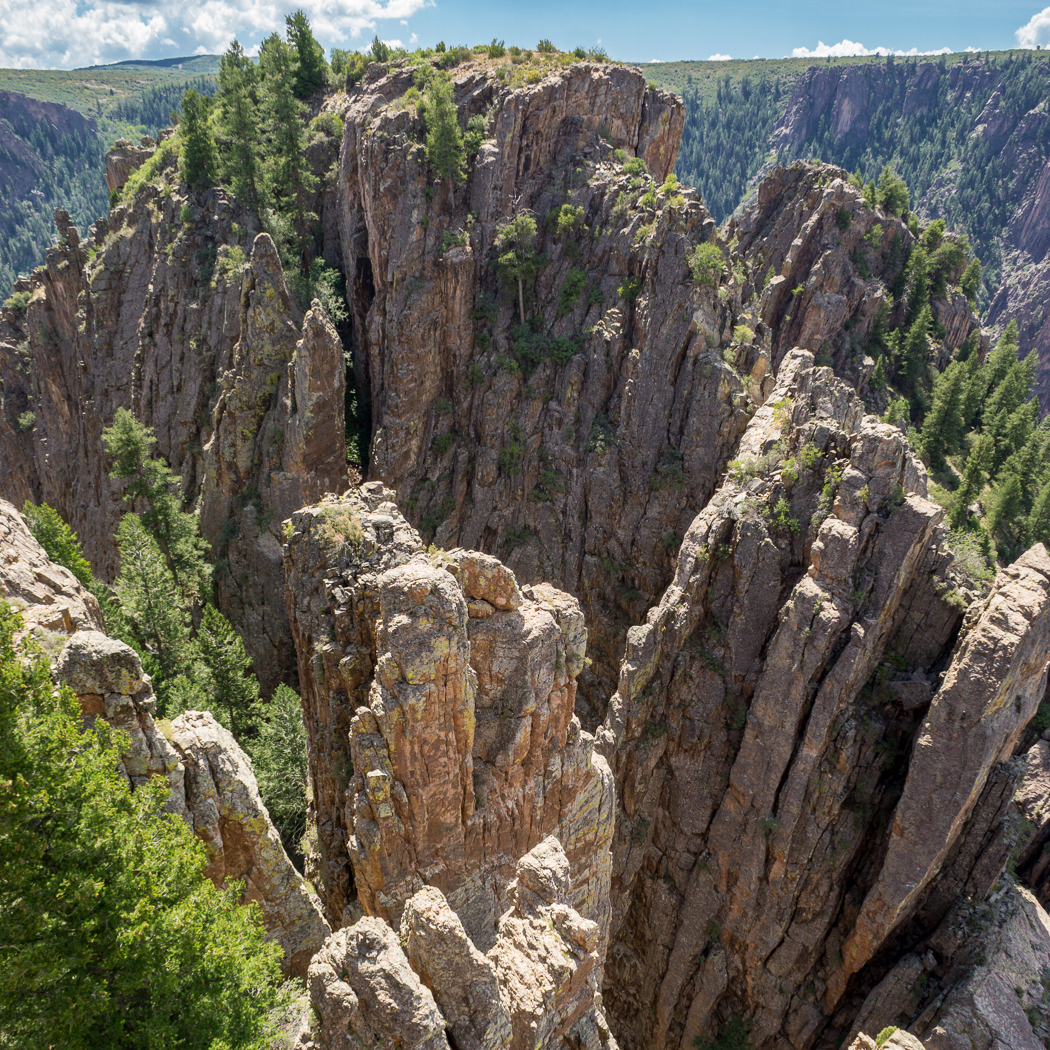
(212, 784)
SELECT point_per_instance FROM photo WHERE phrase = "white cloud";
(66, 33)
(719, 58)
(850, 48)
(1036, 32)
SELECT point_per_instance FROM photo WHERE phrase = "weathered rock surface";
(979, 982)
(157, 313)
(765, 769)
(439, 697)
(225, 810)
(537, 988)
(124, 159)
(48, 596)
(107, 677)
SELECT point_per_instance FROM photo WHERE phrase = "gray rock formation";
(537, 988)
(226, 812)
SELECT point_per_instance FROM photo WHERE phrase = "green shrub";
(634, 166)
(327, 125)
(565, 220)
(18, 300)
(707, 264)
(442, 443)
(630, 289)
(26, 422)
(58, 540)
(496, 49)
(884, 1036)
(545, 47)
(743, 334)
(571, 290)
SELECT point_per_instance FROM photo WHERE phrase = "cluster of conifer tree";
(64, 173)
(161, 604)
(726, 142)
(976, 423)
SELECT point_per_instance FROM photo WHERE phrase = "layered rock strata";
(431, 988)
(439, 697)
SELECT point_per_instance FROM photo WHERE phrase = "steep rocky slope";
(788, 765)
(174, 311)
(971, 138)
(581, 462)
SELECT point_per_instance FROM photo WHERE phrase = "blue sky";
(68, 33)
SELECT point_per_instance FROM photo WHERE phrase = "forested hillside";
(970, 135)
(55, 126)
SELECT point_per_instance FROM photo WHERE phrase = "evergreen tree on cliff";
(310, 74)
(238, 122)
(288, 175)
(111, 935)
(198, 161)
(444, 138)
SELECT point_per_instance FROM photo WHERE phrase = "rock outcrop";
(175, 310)
(439, 699)
(212, 784)
(537, 987)
(766, 768)
(225, 810)
(47, 596)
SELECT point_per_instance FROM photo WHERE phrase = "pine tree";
(445, 152)
(115, 936)
(151, 481)
(944, 427)
(289, 174)
(238, 121)
(915, 353)
(58, 540)
(151, 600)
(235, 687)
(310, 74)
(975, 474)
(280, 763)
(198, 161)
(518, 259)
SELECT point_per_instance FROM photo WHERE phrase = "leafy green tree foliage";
(198, 161)
(58, 540)
(279, 760)
(380, 52)
(288, 172)
(724, 142)
(111, 935)
(238, 124)
(445, 150)
(311, 74)
(157, 488)
(154, 605)
(518, 258)
(892, 192)
(707, 264)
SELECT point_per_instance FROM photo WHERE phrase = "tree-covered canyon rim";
(499, 554)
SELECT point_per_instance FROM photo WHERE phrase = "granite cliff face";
(689, 713)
